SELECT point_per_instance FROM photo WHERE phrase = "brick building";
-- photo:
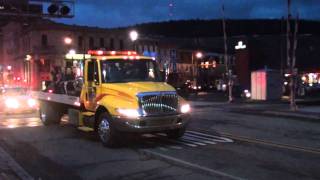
(35, 47)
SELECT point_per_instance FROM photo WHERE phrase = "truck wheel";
(49, 114)
(107, 134)
(176, 133)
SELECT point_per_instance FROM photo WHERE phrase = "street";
(217, 145)
(159, 90)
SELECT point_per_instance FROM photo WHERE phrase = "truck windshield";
(118, 71)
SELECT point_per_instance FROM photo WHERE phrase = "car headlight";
(131, 113)
(185, 108)
(12, 103)
(32, 102)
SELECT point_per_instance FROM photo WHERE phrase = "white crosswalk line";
(163, 149)
(166, 146)
(198, 139)
(179, 142)
(184, 143)
(190, 138)
(175, 147)
(190, 141)
(215, 138)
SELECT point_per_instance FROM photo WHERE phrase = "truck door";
(92, 81)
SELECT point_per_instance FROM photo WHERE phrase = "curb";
(295, 116)
(14, 166)
(186, 164)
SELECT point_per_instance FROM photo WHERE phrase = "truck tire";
(176, 133)
(107, 134)
(50, 113)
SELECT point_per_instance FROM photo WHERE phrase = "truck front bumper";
(150, 124)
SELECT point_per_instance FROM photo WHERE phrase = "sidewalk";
(310, 113)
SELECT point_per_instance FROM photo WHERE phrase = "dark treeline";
(213, 28)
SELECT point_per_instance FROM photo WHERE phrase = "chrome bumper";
(150, 124)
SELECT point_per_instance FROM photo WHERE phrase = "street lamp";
(134, 36)
(198, 55)
(67, 40)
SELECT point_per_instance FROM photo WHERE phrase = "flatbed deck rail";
(59, 98)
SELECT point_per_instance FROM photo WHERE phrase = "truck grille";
(158, 103)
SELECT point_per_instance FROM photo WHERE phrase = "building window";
(101, 42)
(80, 42)
(111, 44)
(44, 40)
(91, 43)
(121, 45)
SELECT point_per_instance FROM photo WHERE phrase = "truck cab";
(122, 92)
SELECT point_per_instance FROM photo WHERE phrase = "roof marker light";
(100, 52)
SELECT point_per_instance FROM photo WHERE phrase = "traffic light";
(52, 9)
(59, 9)
(64, 10)
(37, 8)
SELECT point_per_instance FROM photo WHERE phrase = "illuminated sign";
(77, 56)
(240, 45)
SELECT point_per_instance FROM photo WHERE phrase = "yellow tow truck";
(122, 92)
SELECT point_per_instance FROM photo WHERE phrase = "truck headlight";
(185, 108)
(12, 103)
(131, 113)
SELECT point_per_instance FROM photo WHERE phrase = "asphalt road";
(217, 145)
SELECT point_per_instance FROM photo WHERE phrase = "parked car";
(183, 87)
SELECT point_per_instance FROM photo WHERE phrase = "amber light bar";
(111, 53)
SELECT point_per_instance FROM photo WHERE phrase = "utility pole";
(291, 57)
(226, 59)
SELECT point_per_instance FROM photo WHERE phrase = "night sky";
(119, 13)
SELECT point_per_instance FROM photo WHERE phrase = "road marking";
(201, 137)
(215, 138)
(180, 162)
(199, 140)
(274, 144)
(163, 137)
(14, 166)
(191, 139)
